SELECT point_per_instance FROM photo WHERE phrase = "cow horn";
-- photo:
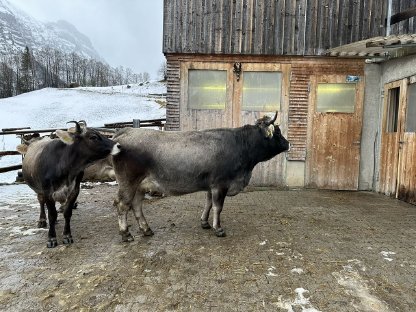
(77, 126)
(271, 122)
(82, 123)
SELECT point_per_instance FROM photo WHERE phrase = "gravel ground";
(291, 250)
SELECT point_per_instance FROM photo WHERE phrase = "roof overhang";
(377, 49)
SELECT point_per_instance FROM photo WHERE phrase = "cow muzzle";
(116, 149)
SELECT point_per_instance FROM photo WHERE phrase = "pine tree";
(26, 78)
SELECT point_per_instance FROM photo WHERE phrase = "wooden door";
(406, 189)
(206, 95)
(394, 101)
(407, 171)
(398, 149)
(335, 124)
(263, 89)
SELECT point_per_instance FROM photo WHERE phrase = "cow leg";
(52, 215)
(70, 204)
(42, 217)
(123, 203)
(122, 210)
(218, 197)
(138, 213)
(205, 213)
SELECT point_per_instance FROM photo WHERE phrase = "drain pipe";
(388, 28)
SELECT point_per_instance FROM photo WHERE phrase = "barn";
(340, 74)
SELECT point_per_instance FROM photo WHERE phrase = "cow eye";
(93, 138)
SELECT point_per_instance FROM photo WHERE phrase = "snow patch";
(6, 207)
(386, 255)
(21, 230)
(299, 303)
(270, 271)
(354, 285)
(297, 270)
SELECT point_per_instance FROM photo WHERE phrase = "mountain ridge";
(18, 30)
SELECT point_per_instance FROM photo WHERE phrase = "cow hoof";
(42, 224)
(148, 232)
(126, 237)
(220, 233)
(205, 225)
(52, 243)
(68, 240)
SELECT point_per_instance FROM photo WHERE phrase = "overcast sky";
(127, 32)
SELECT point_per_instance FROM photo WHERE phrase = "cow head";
(88, 142)
(272, 133)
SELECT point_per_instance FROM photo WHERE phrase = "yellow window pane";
(335, 98)
(207, 89)
(261, 91)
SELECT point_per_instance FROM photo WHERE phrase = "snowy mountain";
(18, 29)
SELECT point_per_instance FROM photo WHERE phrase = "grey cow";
(218, 161)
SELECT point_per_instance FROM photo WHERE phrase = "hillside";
(52, 108)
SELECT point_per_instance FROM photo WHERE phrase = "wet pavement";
(291, 250)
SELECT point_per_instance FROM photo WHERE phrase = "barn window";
(411, 109)
(261, 91)
(393, 110)
(207, 89)
(335, 98)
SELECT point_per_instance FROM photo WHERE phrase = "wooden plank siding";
(407, 170)
(275, 27)
(173, 95)
(400, 6)
(301, 71)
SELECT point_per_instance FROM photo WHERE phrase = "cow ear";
(268, 131)
(22, 148)
(65, 136)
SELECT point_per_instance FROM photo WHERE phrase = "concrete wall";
(371, 120)
(295, 176)
(398, 69)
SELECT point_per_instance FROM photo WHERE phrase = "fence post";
(136, 123)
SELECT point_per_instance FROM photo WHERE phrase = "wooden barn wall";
(275, 27)
(406, 26)
(173, 95)
(302, 69)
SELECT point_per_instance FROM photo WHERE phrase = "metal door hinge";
(237, 70)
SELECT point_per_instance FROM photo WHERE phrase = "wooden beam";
(14, 129)
(30, 131)
(10, 168)
(5, 153)
(401, 16)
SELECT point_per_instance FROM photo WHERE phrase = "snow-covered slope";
(18, 29)
(52, 108)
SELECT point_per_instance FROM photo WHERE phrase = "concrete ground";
(296, 250)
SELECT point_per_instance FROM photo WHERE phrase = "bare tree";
(146, 76)
(163, 71)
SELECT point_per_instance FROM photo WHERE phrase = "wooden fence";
(108, 129)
